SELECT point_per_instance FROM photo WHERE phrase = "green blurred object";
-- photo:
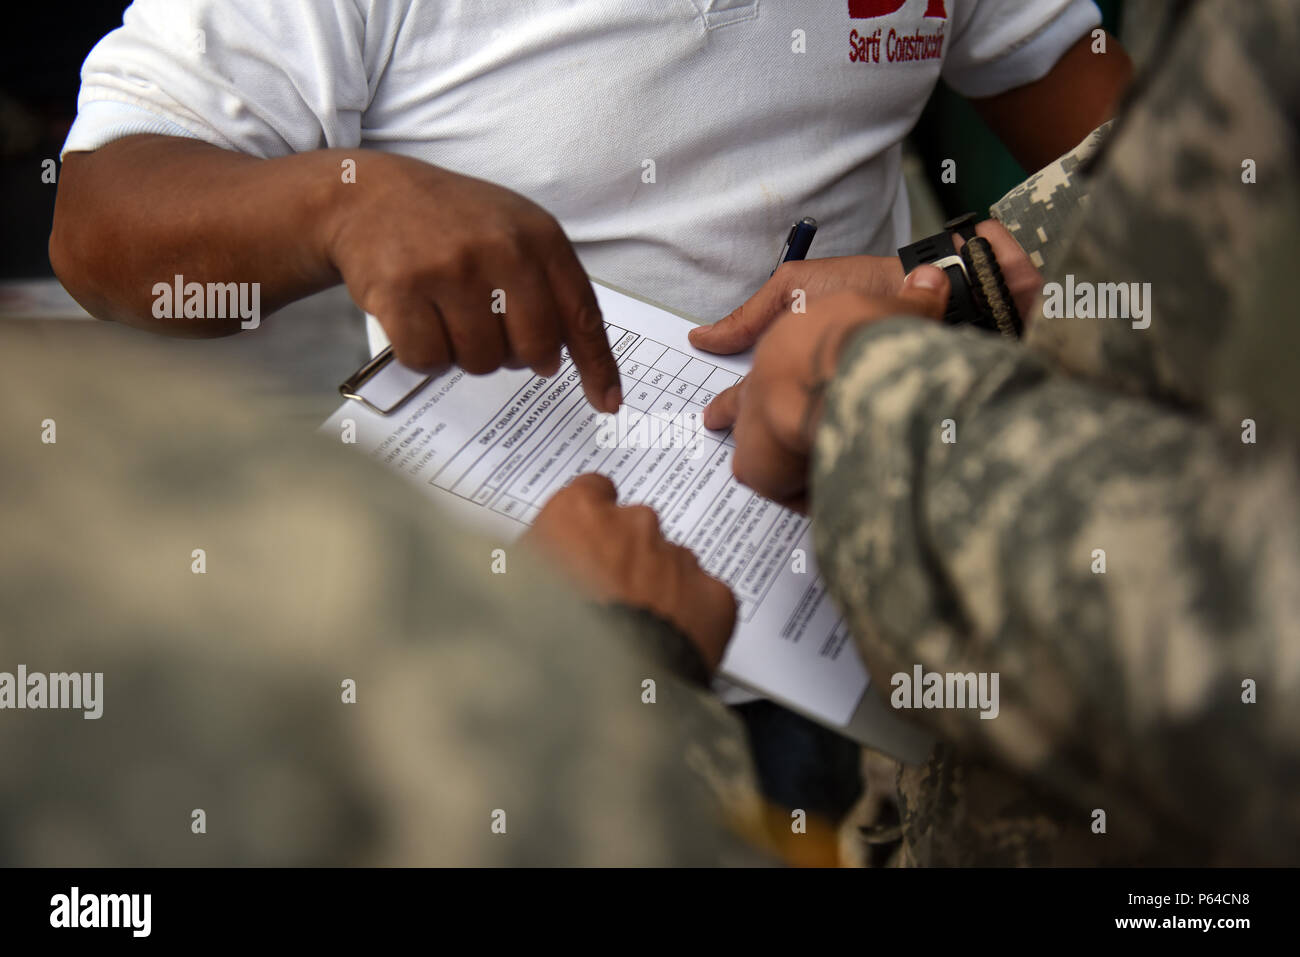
(950, 128)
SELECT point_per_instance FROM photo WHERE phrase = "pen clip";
(785, 248)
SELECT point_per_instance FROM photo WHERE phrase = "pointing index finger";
(584, 332)
(722, 411)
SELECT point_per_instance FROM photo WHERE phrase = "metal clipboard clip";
(400, 383)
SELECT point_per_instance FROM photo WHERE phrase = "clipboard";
(384, 385)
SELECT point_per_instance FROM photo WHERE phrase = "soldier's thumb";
(926, 290)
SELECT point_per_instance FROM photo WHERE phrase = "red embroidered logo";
(896, 47)
(870, 9)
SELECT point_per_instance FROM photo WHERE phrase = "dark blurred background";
(40, 63)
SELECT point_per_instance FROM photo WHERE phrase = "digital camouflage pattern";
(475, 692)
(1038, 210)
(1121, 691)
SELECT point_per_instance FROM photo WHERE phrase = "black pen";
(797, 243)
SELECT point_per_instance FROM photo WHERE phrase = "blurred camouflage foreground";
(224, 691)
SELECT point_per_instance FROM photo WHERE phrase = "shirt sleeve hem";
(1029, 60)
(100, 122)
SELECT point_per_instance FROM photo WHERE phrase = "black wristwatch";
(979, 295)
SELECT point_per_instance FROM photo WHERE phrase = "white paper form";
(494, 448)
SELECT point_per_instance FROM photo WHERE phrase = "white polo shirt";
(675, 140)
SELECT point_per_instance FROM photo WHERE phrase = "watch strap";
(939, 250)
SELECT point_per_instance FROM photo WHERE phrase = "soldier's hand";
(1024, 281)
(869, 276)
(775, 410)
(461, 271)
(618, 554)
(798, 281)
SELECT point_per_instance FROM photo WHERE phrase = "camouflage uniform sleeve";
(1126, 569)
(1195, 206)
(1038, 211)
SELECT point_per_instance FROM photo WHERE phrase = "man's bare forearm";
(145, 209)
(1042, 120)
(429, 252)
